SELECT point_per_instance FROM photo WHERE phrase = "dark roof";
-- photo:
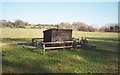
(58, 29)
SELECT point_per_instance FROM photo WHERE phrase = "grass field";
(18, 59)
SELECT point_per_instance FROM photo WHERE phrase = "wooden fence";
(59, 47)
(73, 44)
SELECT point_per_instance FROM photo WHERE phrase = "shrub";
(19, 22)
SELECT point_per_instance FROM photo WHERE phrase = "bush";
(19, 22)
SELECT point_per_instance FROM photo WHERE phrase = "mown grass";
(19, 59)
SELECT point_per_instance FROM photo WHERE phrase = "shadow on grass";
(103, 54)
(8, 40)
(29, 47)
(23, 42)
(35, 67)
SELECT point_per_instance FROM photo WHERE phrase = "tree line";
(77, 26)
(113, 27)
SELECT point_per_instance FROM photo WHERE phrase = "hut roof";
(58, 29)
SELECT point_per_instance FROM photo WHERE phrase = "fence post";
(43, 48)
(64, 46)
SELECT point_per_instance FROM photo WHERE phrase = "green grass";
(18, 59)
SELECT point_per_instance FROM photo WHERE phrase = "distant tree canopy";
(77, 26)
(17, 24)
(113, 27)
(20, 23)
(80, 26)
(64, 25)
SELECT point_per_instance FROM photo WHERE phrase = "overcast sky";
(91, 13)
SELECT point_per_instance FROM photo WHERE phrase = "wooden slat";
(78, 45)
(58, 47)
(59, 42)
(61, 47)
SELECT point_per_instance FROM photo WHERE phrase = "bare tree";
(64, 25)
(80, 26)
(90, 29)
(102, 29)
(21, 24)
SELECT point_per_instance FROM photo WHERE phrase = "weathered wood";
(43, 48)
(78, 45)
(64, 47)
(51, 35)
(58, 47)
(61, 47)
(59, 42)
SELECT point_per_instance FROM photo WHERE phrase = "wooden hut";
(53, 35)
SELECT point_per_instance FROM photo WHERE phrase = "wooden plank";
(78, 45)
(58, 47)
(61, 47)
(59, 42)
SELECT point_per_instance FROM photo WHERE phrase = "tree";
(80, 26)
(64, 25)
(111, 28)
(19, 23)
(116, 28)
(103, 28)
(90, 29)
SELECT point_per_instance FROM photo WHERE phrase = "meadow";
(18, 59)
